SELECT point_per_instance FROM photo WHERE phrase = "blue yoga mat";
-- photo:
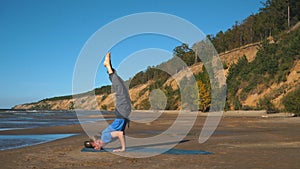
(153, 150)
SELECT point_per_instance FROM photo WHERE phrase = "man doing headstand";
(123, 108)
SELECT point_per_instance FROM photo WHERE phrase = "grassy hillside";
(267, 75)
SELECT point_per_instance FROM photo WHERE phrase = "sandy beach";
(238, 142)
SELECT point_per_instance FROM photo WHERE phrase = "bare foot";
(107, 62)
(119, 150)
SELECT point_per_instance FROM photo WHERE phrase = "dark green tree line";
(271, 20)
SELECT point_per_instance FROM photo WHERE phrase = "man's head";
(88, 144)
(95, 142)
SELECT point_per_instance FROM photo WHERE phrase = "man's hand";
(119, 150)
(120, 136)
(97, 144)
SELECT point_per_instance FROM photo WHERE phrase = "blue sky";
(40, 40)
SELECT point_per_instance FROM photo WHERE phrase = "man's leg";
(123, 104)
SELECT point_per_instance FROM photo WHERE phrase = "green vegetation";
(103, 90)
(270, 21)
(161, 73)
(43, 106)
(71, 106)
(144, 105)
(273, 61)
(104, 107)
(173, 98)
(291, 102)
(265, 104)
(106, 90)
(58, 98)
(186, 54)
(271, 65)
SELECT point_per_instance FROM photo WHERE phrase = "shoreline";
(237, 143)
(231, 113)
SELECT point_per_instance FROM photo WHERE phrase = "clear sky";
(40, 40)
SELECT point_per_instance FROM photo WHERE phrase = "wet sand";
(238, 142)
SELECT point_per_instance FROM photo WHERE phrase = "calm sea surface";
(18, 120)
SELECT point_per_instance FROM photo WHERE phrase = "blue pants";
(116, 125)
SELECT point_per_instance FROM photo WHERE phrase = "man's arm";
(120, 135)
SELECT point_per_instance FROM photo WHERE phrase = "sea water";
(22, 119)
(18, 141)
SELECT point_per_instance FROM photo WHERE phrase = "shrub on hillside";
(266, 104)
(291, 102)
